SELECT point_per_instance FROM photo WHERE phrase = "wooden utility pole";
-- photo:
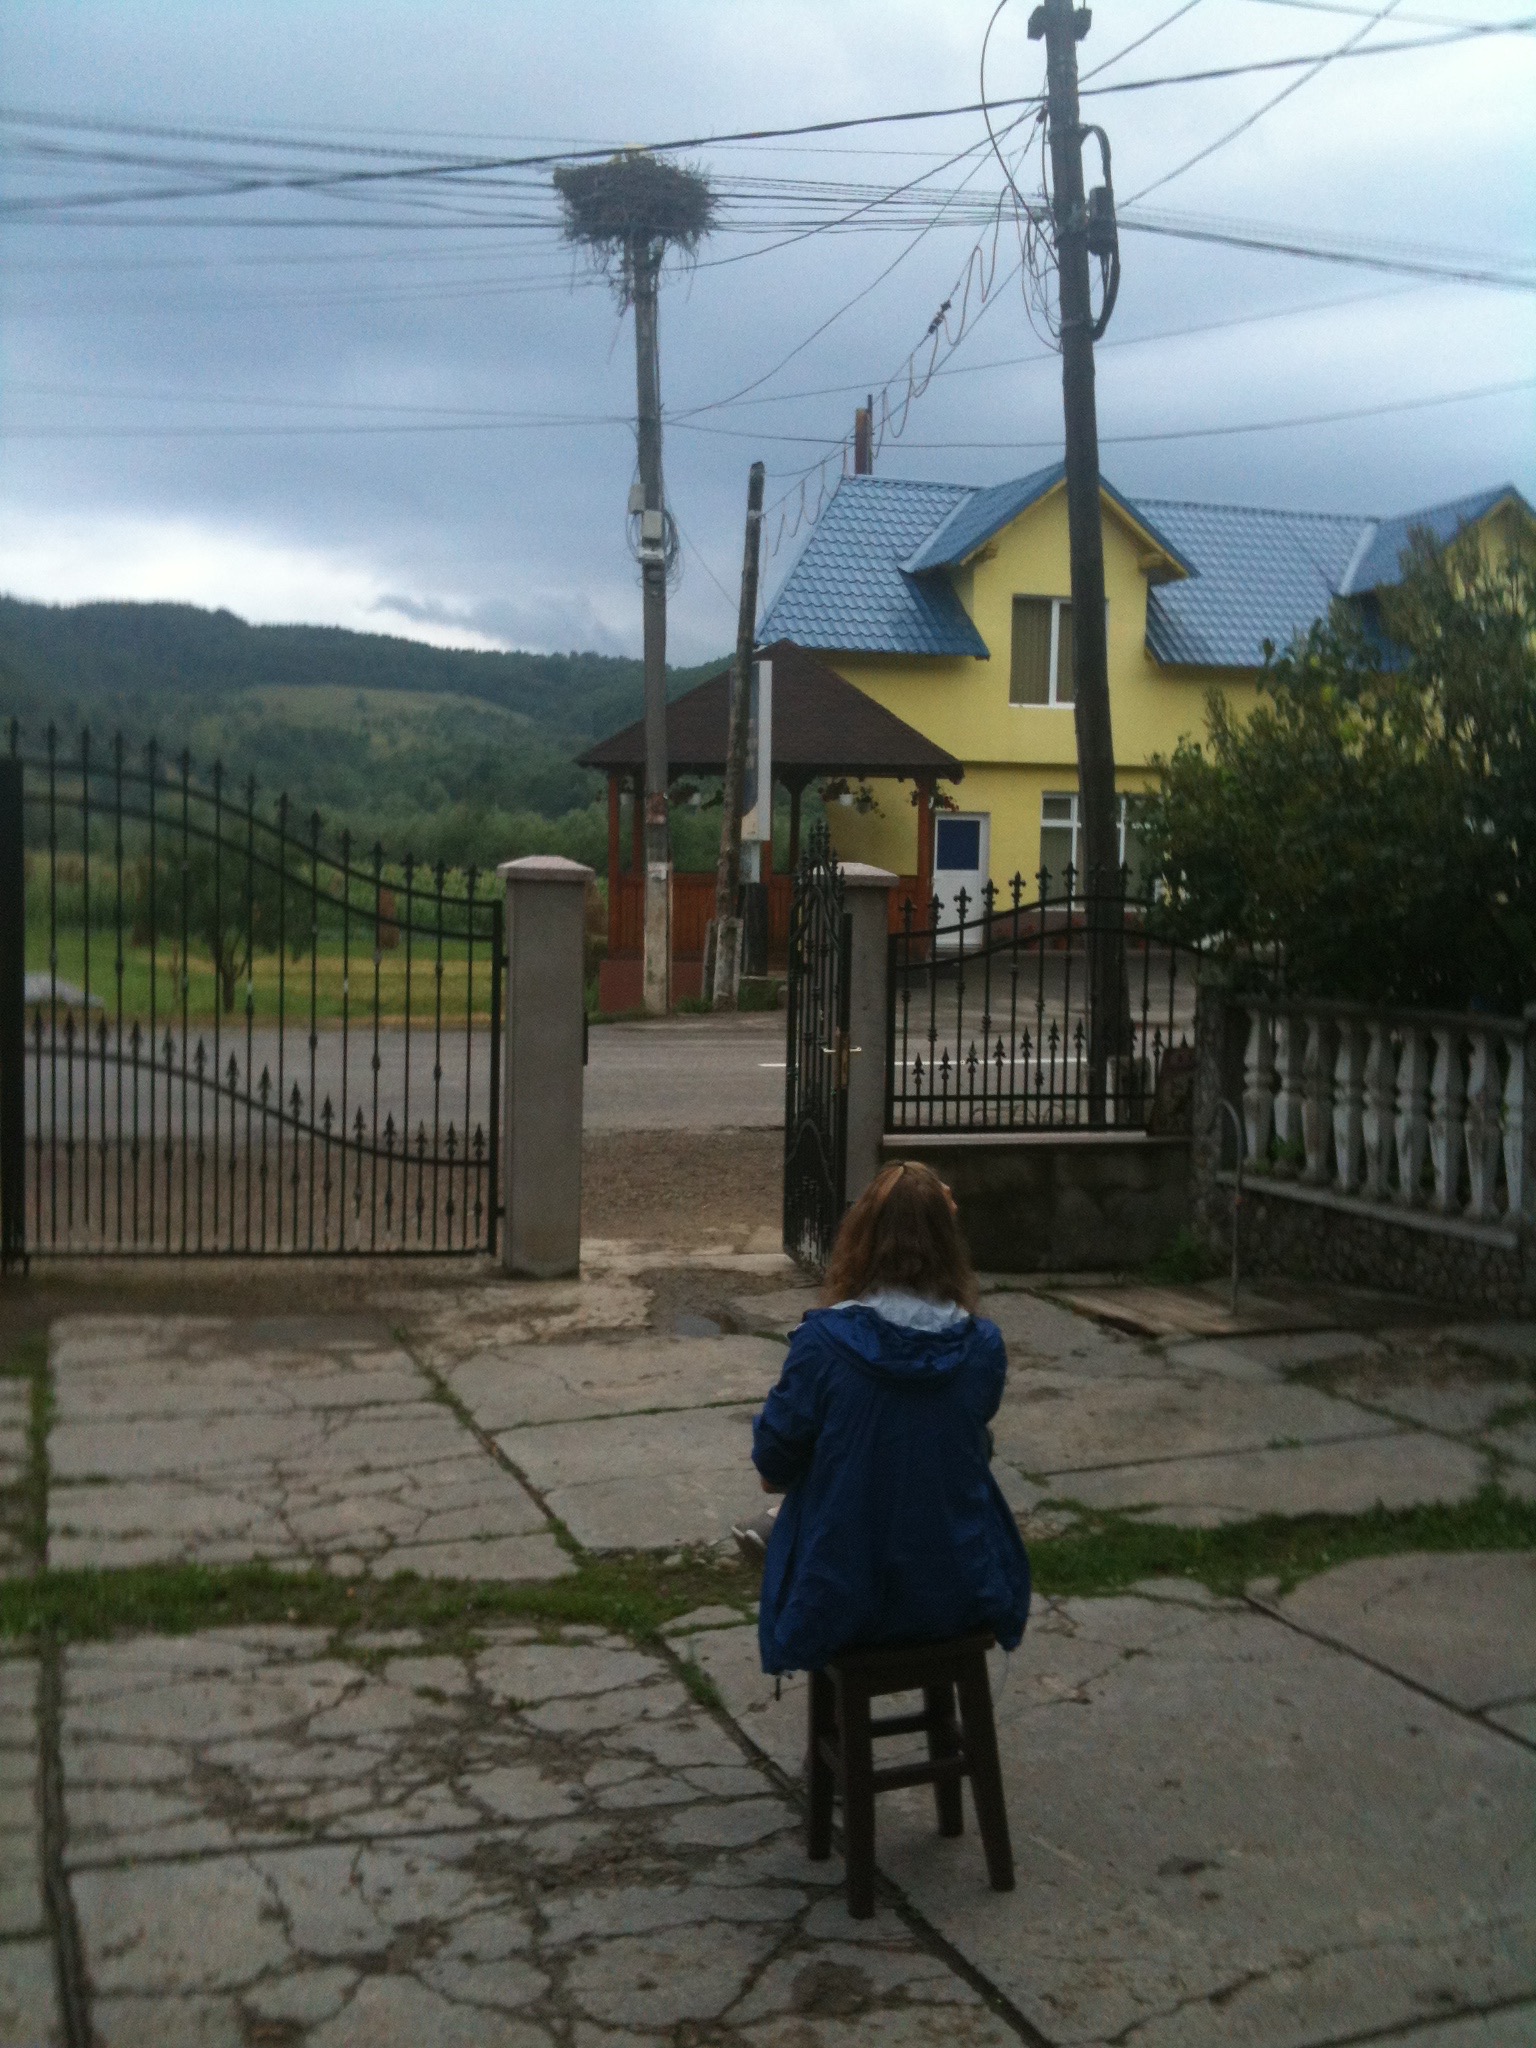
(645, 267)
(1099, 883)
(727, 949)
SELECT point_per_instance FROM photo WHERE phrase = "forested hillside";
(459, 755)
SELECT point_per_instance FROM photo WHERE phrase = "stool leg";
(986, 1773)
(856, 1748)
(819, 1776)
(944, 1742)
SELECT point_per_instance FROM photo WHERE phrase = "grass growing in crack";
(637, 1595)
(699, 1683)
(1106, 1553)
(634, 1595)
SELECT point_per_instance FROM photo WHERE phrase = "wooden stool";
(841, 1751)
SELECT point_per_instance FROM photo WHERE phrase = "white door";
(960, 856)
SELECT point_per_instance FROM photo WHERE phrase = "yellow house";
(950, 605)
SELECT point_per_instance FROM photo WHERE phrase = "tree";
(229, 910)
(1375, 818)
(627, 212)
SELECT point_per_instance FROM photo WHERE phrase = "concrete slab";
(643, 1482)
(316, 1440)
(778, 1312)
(1342, 1479)
(1204, 1311)
(1519, 1718)
(1464, 1626)
(29, 2012)
(448, 1853)
(1220, 1829)
(540, 1383)
(1052, 1423)
(1042, 1331)
(21, 1865)
(1508, 1342)
(1458, 1407)
(15, 1414)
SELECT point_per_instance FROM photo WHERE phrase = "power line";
(1168, 20)
(1319, 419)
(1337, 249)
(1269, 105)
(1122, 341)
(454, 168)
(1339, 7)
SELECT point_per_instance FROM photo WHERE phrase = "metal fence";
(220, 1035)
(989, 1017)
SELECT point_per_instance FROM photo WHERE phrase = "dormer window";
(1042, 651)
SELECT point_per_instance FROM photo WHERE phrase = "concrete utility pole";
(645, 269)
(1083, 228)
(727, 953)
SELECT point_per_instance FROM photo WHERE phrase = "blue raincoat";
(894, 1529)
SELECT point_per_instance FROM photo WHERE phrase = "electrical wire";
(1294, 86)
(1318, 419)
(351, 180)
(1168, 20)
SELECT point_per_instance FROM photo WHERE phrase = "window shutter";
(1030, 681)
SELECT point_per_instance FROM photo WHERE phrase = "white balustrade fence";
(1393, 1109)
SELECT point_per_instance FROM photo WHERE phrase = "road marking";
(780, 1064)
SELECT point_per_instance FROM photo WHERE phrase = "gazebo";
(822, 728)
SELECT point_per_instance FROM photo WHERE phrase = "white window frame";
(1054, 700)
(1123, 798)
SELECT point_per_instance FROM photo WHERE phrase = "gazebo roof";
(822, 725)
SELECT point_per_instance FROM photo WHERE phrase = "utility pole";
(727, 948)
(1083, 228)
(645, 268)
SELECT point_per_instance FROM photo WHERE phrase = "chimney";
(864, 439)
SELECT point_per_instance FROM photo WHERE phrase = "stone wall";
(1316, 1234)
(1059, 1202)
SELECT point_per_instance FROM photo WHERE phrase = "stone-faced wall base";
(1057, 1202)
(1307, 1239)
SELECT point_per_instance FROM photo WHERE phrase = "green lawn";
(339, 983)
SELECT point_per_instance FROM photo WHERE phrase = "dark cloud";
(516, 534)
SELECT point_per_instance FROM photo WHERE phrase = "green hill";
(458, 755)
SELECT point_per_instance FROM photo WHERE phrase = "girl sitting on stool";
(893, 1528)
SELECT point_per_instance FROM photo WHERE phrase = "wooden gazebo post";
(796, 787)
(613, 862)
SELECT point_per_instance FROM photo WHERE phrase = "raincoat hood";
(891, 1351)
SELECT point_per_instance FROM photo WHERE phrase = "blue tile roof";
(873, 578)
(978, 516)
(1384, 540)
(1258, 576)
(848, 590)
(986, 512)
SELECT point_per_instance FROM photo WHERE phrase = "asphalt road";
(686, 1074)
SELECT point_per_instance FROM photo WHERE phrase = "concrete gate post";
(545, 1049)
(867, 894)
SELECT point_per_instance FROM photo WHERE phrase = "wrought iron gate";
(218, 1035)
(816, 1058)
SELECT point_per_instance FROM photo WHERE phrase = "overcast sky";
(272, 401)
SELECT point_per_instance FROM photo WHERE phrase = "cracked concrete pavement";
(1291, 1819)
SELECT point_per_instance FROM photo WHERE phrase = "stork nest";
(627, 210)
